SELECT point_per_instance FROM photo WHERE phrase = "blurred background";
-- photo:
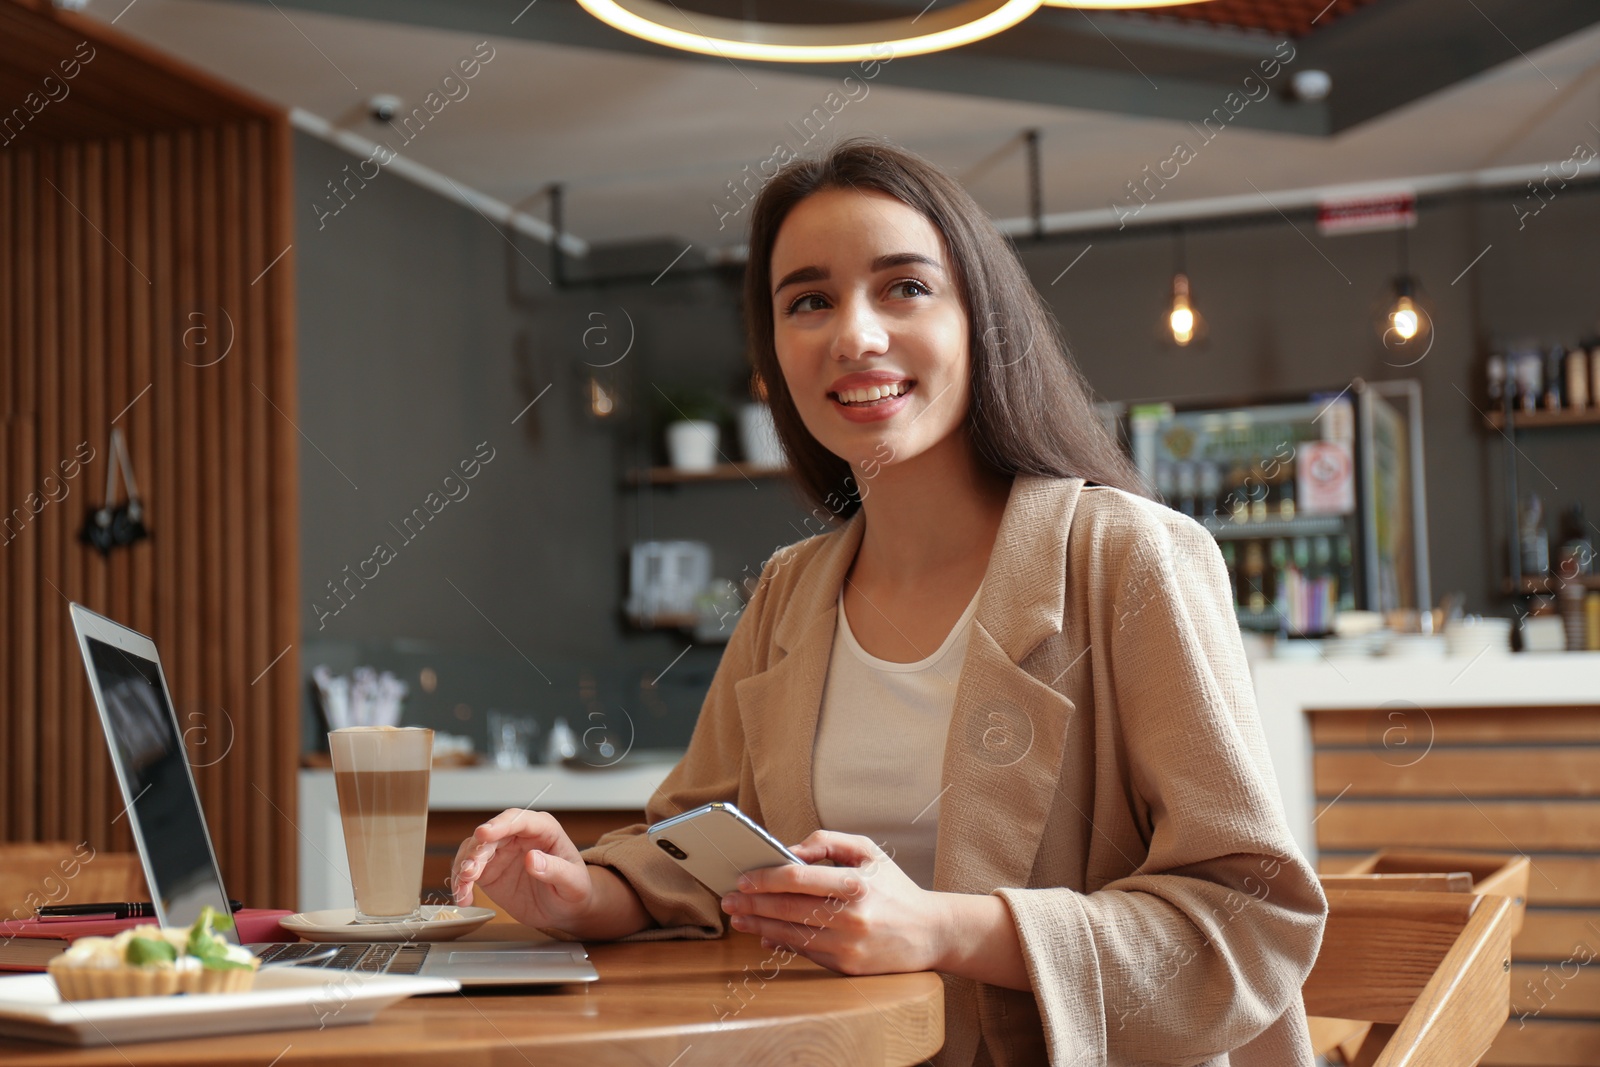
(509, 245)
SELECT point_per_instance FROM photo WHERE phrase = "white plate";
(284, 998)
(335, 925)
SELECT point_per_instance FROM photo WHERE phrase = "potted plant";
(692, 417)
(757, 433)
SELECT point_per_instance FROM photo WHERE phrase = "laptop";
(180, 865)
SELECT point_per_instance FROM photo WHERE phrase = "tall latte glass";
(381, 773)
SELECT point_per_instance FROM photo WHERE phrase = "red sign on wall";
(1366, 214)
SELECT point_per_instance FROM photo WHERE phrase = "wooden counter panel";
(1493, 826)
(1556, 934)
(1499, 781)
(1449, 772)
(1554, 991)
(1366, 727)
(1546, 1043)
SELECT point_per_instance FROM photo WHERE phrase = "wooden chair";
(1489, 873)
(1429, 971)
(1441, 882)
(59, 872)
(1419, 870)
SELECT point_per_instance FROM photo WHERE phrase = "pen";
(134, 909)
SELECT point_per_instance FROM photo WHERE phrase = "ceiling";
(646, 141)
(1296, 17)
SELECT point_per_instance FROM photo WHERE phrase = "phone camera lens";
(672, 850)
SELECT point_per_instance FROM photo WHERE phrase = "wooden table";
(678, 1003)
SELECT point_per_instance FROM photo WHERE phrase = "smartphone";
(717, 843)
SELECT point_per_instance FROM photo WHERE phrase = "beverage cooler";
(1317, 503)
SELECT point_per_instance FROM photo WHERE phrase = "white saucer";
(338, 924)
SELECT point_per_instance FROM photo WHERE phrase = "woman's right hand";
(528, 865)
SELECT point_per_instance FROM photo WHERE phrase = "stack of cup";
(1473, 634)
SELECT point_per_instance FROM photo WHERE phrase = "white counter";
(325, 872)
(1286, 690)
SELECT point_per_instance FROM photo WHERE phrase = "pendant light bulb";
(1404, 319)
(1404, 323)
(601, 402)
(1181, 318)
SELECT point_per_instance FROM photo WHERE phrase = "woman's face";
(864, 298)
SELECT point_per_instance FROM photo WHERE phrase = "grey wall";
(1291, 312)
(423, 334)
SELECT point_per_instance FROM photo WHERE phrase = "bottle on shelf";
(1576, 555)
(1300, 570)
(1570, 603)
(1252, 571)
(1286, 489)
(1278, 557)
(1259, 491)
(1210, 491)
(1495, 371)
(1230, 560)
(1529, 378)
(1324, 594)
(1166, 483)
(1238, 495)
(1594, 373)
(1578, 382)
(1554, 378)
(1532, 541)
(1186, 490)
(1347, 578)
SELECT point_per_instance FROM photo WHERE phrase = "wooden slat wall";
(108, 251)
(1496, 780)
(123, 85)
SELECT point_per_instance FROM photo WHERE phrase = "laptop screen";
(165, 812)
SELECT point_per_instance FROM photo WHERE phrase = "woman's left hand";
(863, 916)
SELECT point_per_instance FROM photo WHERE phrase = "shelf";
(1265, 621)
(1299, 526)
(1535, 420)
(1548, 585)
(1256, 620)
(722, 472)
(685, 620)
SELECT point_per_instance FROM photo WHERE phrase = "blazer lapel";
(1004, 751)
(779, 707)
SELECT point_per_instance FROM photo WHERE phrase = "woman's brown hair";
(1030, 410)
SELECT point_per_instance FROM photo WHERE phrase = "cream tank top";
(879, 749)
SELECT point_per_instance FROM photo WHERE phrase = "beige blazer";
(1105, 774)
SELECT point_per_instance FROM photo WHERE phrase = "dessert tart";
(152, 961)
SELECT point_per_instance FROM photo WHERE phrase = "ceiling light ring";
(714, 35)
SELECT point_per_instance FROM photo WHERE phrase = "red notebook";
(25, 944)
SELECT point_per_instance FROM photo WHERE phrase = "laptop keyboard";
(380, 957)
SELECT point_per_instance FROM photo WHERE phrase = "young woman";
(1003, 708)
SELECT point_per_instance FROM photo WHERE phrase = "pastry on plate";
(152, 961)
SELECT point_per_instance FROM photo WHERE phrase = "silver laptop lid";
(163, 806)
